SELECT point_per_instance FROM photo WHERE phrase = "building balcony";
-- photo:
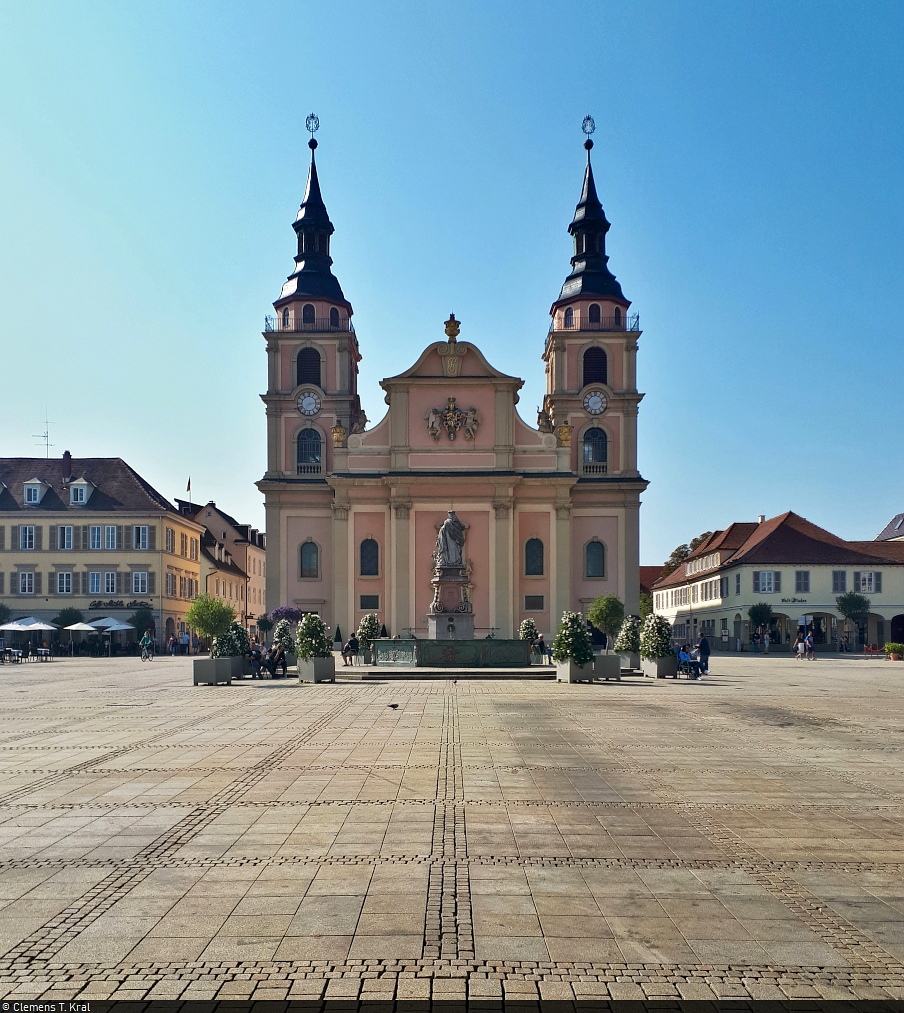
(595, 468)
(314, 468)
(623, 322)
(319, 325)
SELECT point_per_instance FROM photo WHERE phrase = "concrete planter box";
(568, 671)
(630, 661)
(209, 671)
(317, 670)
(660, 668)
(607, 666)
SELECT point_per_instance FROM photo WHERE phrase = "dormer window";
(77, 494)
(80, 492)
(32, 494)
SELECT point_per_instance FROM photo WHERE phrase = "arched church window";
(334, 318)
(309, 452)
(569, 317)
(310, 560)
(594, 313)
(595, 560)
(285, 318)
(307, 313)
(617, 316)
(595, 446)
(595, 366)
(533, 558)
(308, 369)
(370, 558)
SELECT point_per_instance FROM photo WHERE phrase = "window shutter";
(120, 544)
(136, 536)
(84, 582)
(152, 582)
(756, 581)
(52, 538)
(152, 537)
(877, 582)
(856, 580)
(86, 541)
(14, 537)
(2, 537)
(76, 538)
(777, 580)
(38, 584)
(39, 537)
(119, 582)
(2, 576)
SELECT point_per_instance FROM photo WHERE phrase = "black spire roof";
(590, 274)
(312, 225)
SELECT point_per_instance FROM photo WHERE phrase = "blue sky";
(748, 156)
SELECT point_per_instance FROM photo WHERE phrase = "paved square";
(743, 836)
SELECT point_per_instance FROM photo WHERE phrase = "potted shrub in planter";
(627, 646)
(607, 613)
(658, 660)
(316, 662)
(893, 651)
(210, 617)
(368, 632)
(228, 652)
(528, 631)
(571, 650)
(284, 638)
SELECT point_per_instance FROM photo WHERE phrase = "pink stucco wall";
(582, 531)
(369, 524)
(533, 524)
(298, 530)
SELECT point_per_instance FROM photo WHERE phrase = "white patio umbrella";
(41, 626)
(104, 623)
(27, 621)
(81, 626)
(117, 626)
(14, 627)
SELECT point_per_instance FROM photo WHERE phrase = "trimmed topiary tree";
(312, 639)
(368, 630)
(232, 643)
(283, 637)
(607, 613)
(209, 616)
(528, 630)
(655, 637)
(572, 640)
(628, 641)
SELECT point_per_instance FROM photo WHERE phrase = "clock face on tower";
(308, 402)
(595, 402)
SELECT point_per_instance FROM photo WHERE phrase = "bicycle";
(147, 654)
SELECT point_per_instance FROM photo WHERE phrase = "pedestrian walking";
(703, 653)
(811, 646)
(755, 640)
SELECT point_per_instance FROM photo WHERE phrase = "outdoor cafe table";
(44, 654)
(12, 654)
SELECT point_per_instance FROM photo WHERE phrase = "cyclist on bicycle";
(147, 647)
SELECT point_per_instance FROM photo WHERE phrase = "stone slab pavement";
(742, 836)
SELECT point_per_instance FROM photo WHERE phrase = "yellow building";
(92, 534)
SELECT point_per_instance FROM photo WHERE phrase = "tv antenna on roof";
(45, 436)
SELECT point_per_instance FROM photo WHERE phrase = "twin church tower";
(550, 511)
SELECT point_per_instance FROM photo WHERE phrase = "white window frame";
(76, 495)
(109, 582)
(109, 537)
(94, 582)
(867, 582)
(27, 537)
(171, 540)
(95, 536)
(140, 537)
(32, 494)
(26, 582)
(64, 578)
(139, 582)
(64, 537)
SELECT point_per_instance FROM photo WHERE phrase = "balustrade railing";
(595, 468)
(309, 469)
(317, 325)
(625, 322)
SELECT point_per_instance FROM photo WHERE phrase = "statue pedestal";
(450, 626)
(451, 615)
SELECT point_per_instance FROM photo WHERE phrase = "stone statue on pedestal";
(450, 542)
(451, 615)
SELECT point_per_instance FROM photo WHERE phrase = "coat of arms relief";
(453, 420)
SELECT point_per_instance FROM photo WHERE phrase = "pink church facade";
(551, 510)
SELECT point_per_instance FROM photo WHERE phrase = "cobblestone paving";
(743, 836)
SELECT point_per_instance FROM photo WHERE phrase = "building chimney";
(761, 518)
(67, 465)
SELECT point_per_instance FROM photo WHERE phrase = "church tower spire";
(590, 274)
(312, 277)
